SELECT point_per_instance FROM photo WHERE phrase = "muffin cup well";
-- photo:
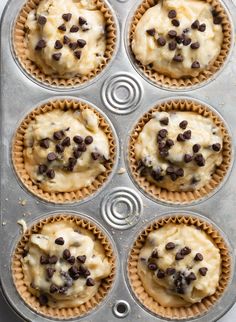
(196, 309)
(63, 313)
(218, 177)
(18, 157)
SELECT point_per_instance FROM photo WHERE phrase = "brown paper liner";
(20, 47)
(18, 158)
(181, 312)
(62, 313)
(188, 196)
(206, 74)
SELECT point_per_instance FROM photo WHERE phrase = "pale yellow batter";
(151, 43)
(65, 151)
(190, 159)
(176, 288)
(77, 47)
(47, 266)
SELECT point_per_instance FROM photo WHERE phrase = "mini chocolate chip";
(200, 160)
(58, 135)
(25, 252)
(195, 45)
(56, 56)
(191, 277)
(180, 137)
(74, 28)
(187, 158)
(202, 27)
(170, 170)
(161, 145)
(73, 45)
(81, 258)
(74, 272)
(187, 134)
(71, 164)
(179, 256)
(84, 271)
(172, 33)
(195, 64)
(160, 273)
(81, 43)
(67, 16)
(63, 290)
(71, 260)
(179, 39)
(170, 246)
(154, 254)
(77, 154)
(95, 155)
(51, 156)
(82, 21)
(90, 282)
(81, 147)
(172, 14)
(53, 259)
(161, 41)
(180, 290)
(163, 133)
(62, 27)
(44, 143)
(151, 31)
(216, 147)
(217, 20)
(185, 251)
(53, 288)
(164, 153)
(175, 22)
(195, 24)
(164, 121)
(169, 143)
(183, 124)
(88, 140)
(44, 260)
(78, 139)
(59, 241)
(170, 271)
(203, 271)
(58, 44)
(66, 254)
(172, 45)
(198, 257)
(180, 172)
(77, 54)
(187, 41)
(186, 30)
(66, 40)
(60, 148)
(42, 168)
(152, 266)
(196, 147)
(42, 20)
(43, 299)
(40, 44)
(50, 271)
(50, 173)
(66, 141)
(173, 176)
(156, 174)
(178, 58)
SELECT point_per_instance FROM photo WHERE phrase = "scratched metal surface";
(19, 95)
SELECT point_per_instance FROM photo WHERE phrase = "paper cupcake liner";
(20, 47)
(62, 313)
(185, 82)
(18, 158)
(182, 197)
(182, 312)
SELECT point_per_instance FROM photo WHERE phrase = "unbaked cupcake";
(64, 43)
(66, 264)
(183, 41)
(66, 151)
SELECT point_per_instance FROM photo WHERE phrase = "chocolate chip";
(66, 40)
(77, 154)
(74, 28)
(164, 121)
(43, 299)
(56, 56)
(178, 58)
(161, 41)
(195, 24)
(66, 254)
(187, 158)
(161, 145)
(151, 31)
(180, 137)
(203, 271)
(81, 258)
(198, 257)
(90, 282)
(200, 160)
(191, 277)
(60, 148)
(172, 45)
(71, 164)
(95, 155)
(88, 140)
(82, 21)
(170, 246)
(53, 259)
(44, 143)
(185, 251)
(163, 133)
(59, 241)
(187, 134)
(172, 33)
(173, 176)
(42, 168)
(58, 44)
(62, 27)
(170, 271)
(195, 45)
(154, 254)
(50, 173)
(156, 174)
(66, 141)
(74, 272)
(58, 135)
(179, 256)
(81, 147)
(180, 172)
(179, 39)
(44, 260)
(71, 260)
(170, 170)
(175, 22)
(152, 266)
(42, 20)
(40, 44)
(73, 45)
(169, 143)
(50, 271)
(25, 252)
(53, 288)
(195, 64)
(187, 41)
(216, 147)
(84, 271)
(81, 43)
(196, 147)
(78, 139)
(186, 30)
(172, 14)
(63, 290)
(51, 156)
(217, 20)
(160, 274)
(202, 27)
(67, 16)
(164, 153)
(77, 54)
(183, 124)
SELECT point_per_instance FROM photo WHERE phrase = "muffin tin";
(120, 207)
